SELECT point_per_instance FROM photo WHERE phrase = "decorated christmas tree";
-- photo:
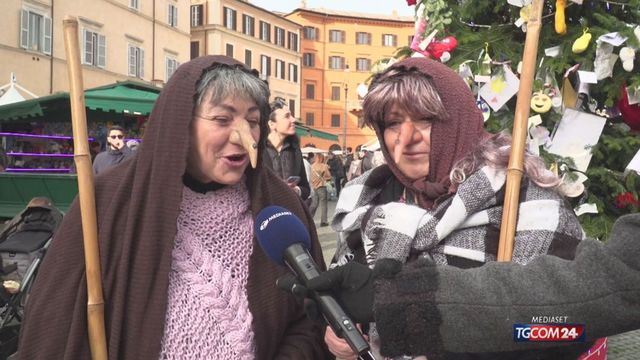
(586, 92)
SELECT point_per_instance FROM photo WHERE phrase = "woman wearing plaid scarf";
(440, 194)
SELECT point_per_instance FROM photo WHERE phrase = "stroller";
(23, 244)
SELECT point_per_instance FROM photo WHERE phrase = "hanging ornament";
(582, 43)
(560, 24)
(627, 56)
(441, 49)
(630, 113)
(626, 199)
(540, 102)
(485, 64)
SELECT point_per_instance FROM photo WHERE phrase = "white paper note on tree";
(575, 135)
(634, 164)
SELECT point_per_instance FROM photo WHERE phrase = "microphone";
(286, 241)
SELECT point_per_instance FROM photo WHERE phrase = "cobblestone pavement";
(624, 346)
(621, 347)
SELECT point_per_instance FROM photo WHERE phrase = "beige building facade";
(119, 40)
(339, 50)
(257, 37)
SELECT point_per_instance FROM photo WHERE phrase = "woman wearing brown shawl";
(183, 276)
(441, 192)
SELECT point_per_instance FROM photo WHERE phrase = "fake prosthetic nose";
(407, 131)
(241, 135)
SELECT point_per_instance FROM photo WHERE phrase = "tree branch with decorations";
(586, 97)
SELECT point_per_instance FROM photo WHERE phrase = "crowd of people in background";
(99, 142)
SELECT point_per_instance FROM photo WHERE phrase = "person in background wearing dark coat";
(116, 151)
(337, 171)
(348, 158)
(283, 154)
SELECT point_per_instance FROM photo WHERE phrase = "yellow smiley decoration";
(540, 102)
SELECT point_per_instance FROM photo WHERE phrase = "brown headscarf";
(138, 204)
(452, 137)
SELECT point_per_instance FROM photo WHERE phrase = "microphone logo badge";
(265, 223)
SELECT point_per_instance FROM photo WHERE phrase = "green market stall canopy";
(125, 97)
(302, 130)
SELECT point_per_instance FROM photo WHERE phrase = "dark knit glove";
(350, 284)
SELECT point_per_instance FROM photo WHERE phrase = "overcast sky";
(372, 6)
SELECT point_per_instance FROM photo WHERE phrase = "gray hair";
(495, 152)
(222, 81)
(409, 89)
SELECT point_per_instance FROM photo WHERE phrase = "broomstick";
(515, 168)
(86, 193)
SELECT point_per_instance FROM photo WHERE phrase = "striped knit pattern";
(208, 314)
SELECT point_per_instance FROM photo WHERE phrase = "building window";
(35, 32)
(336, 36)
(410, 40)
(229, 50)
(265, 31)
(293, 41)
(94, 48)
(310, 33)
(195, 49)
(293, 73)
(279, 36)
(134, 4)
(309, 119)
(389, 40)
(265, 66)
(172, 15)
(335, 93)
(335, 120)
(279, 69)
(247, 58)
(363, 64)
(229, 18)
(292, 107)
(309, 59)
(248, 25)
(136, 61)
(336, 62)
(311, 90)
(171, 67)
(363, 38)
(197, 15)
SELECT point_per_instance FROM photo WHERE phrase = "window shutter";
(88, 47)
(47, 35)
(175, 16)
(102, 51)
(24, 29)
(141, 63)
(132, 61)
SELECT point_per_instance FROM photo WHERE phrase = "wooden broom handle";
(515, 168)
(86, 193)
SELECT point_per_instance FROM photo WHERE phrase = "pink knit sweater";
(208, 314)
